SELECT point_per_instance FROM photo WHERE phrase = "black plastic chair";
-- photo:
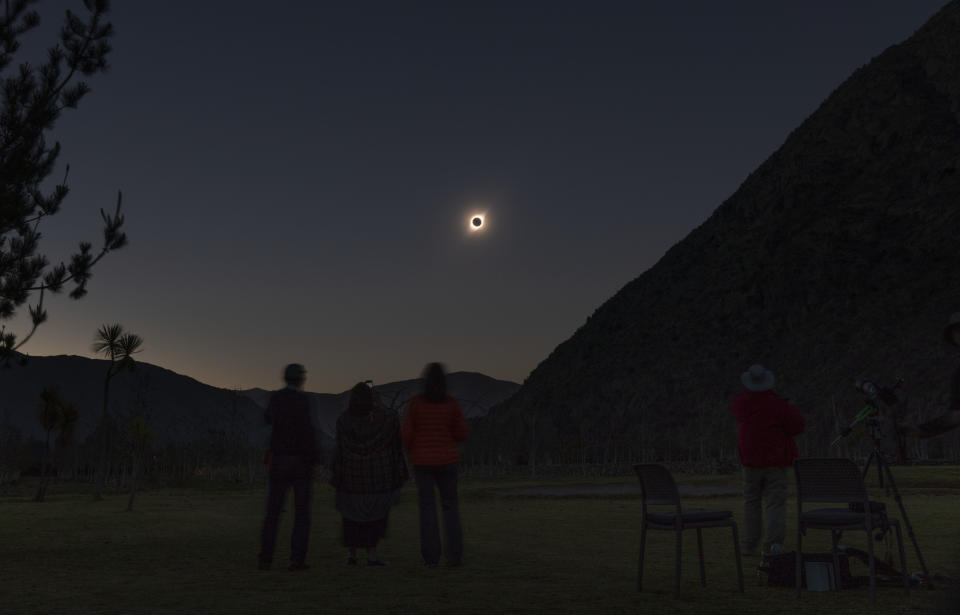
(658, 488)
(839, 480)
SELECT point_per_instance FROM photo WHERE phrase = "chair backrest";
(829, 480)
(656, 484)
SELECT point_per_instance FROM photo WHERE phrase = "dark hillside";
(835, 260)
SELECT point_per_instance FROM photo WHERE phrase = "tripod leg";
(903, 513)
(874, 454)
(903, 559)
(879, 469)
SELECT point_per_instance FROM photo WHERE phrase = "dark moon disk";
(477, 221)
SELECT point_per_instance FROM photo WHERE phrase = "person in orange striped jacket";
(432, 426)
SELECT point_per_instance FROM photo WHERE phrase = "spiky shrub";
(32, 97)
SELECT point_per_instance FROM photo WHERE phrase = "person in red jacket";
(432, 426)
(766, 447)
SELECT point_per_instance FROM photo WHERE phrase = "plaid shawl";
(368, 457)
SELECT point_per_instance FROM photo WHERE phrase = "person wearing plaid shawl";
(368, 470)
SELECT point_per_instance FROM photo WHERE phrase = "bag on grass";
(780, 569)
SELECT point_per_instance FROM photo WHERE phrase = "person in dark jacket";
(432, 427)
(293, 453)
(766, 448)
(368, 471)
(950, 419)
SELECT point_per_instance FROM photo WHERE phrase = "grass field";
(194, 551)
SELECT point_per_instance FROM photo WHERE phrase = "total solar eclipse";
(476, 223)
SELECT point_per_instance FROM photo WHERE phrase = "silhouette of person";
(293, 452)
(767, 424)
(432, 426)
(951, 418)
(367, 470)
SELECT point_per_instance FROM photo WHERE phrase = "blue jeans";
(444, 479)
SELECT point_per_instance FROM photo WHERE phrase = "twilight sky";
(298, 177)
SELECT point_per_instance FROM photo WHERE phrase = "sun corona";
(475, 223)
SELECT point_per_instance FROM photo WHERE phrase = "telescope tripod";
(883, 470)
(870, 415)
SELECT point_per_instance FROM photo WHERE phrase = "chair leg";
(736, 551)
(873, 568)
(903, 559)
(798, 574)
(703, 570)
(643, 544)
(676, 593)
(835, 541)
(836, 570)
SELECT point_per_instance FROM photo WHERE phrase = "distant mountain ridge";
(476, 392)
(180, 408)
(836, 259)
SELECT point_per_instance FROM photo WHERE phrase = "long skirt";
(360, 534)
(365, 516)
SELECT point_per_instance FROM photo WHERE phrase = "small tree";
(57, 415)
(139, 435)
(31, 100)
(69, 414)
(48, 413)
(119, 347)
(11, 452)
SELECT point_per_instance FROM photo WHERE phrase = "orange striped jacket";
(431, 431)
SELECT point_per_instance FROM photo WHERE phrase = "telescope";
(872, 392)
(867, 388)
(885, 394)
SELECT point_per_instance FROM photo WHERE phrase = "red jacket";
(431, 431)
(767, 426)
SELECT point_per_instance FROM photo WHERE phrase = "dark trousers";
(770, 485)
(286, 472)
(444, 479)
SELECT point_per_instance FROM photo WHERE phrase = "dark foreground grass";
(195, 552)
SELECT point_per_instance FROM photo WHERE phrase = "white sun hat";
(757, 378)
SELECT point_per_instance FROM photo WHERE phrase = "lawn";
(194, 550)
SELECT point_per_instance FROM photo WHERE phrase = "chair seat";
(839, 516)
(689, 516)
